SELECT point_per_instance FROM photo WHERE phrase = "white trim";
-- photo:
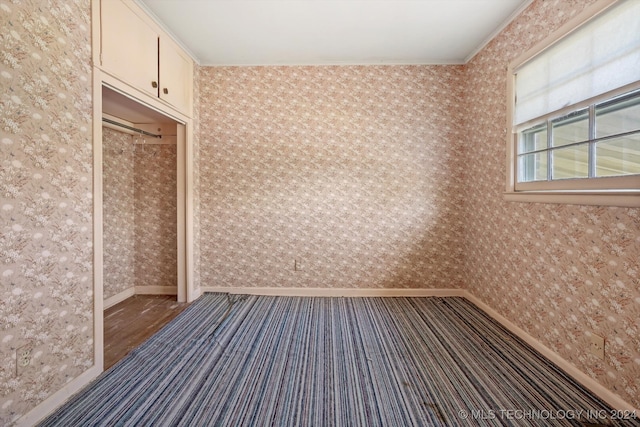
(498, 30)
(605, 185)
(338, 64)
(139, 290)
(181, 209)
(186, 138)
(338, 292)
(56, 400)
(96, 34)
(156, 290)
(119, 297)
(98, 264)
(598, 389)
(196, 293)
(631, 200)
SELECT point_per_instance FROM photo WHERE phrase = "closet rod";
(136, 130)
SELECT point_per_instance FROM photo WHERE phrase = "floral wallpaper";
(140, 213)
(352, 170)
(559, 272)
(46, 209)
(155, 200)
(119, 239)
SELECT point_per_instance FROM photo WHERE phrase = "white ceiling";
(330, 32)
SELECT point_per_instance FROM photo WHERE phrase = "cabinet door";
(176, 76)
(129, 46)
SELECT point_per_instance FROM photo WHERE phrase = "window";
(575, 112)
(602, 140)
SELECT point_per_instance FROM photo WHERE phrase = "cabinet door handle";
(166, 91)
(154, 84)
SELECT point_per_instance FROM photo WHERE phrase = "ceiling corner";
(498, 30)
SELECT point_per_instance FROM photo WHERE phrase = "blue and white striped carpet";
(300, 361)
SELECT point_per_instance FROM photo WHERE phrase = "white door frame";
(185, 239)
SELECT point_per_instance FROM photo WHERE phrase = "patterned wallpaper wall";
(46, 209)
(559, 272)
(354, 170)
(140, 214)
(119, 239)
(155, 199)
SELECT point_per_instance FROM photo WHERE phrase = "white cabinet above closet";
(134, 49)
(176, 76)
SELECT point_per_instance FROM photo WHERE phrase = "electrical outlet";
(597, 346)
(23, 358)
(297, 265)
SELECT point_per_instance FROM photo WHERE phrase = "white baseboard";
(111, 301)
(338, 292)
(54, 401)
(156, 290)
(596, 388)
(139, 290)
(196, 294)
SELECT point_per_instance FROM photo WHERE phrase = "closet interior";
(140, 202)
(139, 199)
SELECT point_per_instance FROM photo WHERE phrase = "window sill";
(630, 199)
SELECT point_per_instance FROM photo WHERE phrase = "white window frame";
(605, 191)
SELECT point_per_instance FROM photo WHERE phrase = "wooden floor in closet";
(132, 321)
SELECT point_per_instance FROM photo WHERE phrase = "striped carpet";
(300, 361)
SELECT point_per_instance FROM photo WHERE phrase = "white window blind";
(600, 56)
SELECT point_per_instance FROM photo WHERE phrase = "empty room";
(320, 212)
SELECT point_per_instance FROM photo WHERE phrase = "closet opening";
(143, 215)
